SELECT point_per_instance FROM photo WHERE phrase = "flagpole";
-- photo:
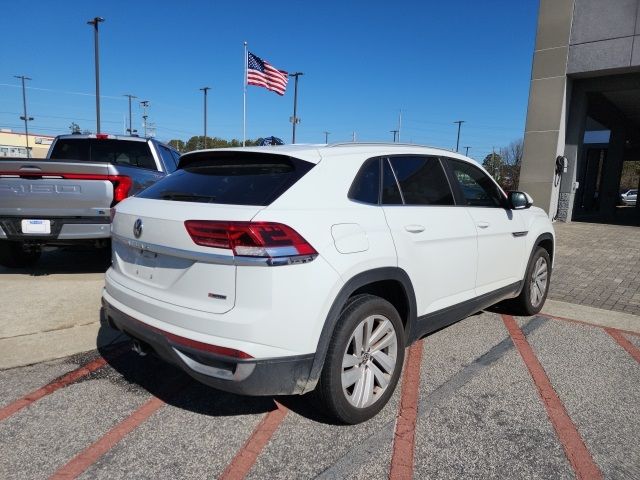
(244, 98)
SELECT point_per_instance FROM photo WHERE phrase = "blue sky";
(363, 61)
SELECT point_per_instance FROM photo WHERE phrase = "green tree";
(493, 163)
(197, 143)
(179, 145)
(74, 127)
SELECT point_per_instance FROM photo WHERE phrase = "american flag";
(261, 74)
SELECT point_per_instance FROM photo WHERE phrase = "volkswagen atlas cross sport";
(282, 270)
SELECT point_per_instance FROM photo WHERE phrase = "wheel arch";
(370, 281)
(545, 240)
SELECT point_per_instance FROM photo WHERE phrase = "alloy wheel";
(369, 361)
(538, 284)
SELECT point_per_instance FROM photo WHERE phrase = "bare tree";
(511, 157)
(512, 154)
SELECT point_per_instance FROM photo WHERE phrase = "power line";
(65, 92)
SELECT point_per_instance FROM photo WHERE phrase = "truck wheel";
(536, 284)
(364, 360)
(14, 255)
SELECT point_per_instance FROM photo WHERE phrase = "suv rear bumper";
(273, 376)
(63, 229)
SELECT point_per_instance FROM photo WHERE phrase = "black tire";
(329, 390)
(524, 304)
(14, 255)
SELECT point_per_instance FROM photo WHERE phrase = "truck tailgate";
(46, 188)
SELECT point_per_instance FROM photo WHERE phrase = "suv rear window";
(119, 152)
(233, 178)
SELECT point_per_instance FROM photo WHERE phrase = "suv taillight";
(251, 239)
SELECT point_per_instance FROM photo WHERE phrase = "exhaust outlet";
(139, 348)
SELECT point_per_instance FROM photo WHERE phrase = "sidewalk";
(51, 311)
(598, 266)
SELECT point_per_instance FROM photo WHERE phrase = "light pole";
(205, 90)
(326, 137)
(144, 104)
(295, 120)
(130, 129)
(95, 22)
(466, 151)
(25, 117)
(459, 122)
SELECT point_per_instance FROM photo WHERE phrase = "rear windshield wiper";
(188, 197)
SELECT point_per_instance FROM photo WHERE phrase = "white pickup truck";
(66, 198)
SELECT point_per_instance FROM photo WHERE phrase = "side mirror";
(519, 200)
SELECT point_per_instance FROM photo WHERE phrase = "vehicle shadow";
(151, 375)
(69, 260)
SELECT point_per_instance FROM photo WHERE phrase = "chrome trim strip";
(241, 371)
(174, 252)
(520, 234)
(213, 257)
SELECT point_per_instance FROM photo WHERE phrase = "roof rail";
(388, 144)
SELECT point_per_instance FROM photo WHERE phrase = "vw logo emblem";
(137, 228)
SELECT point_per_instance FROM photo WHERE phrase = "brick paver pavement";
(597, 265)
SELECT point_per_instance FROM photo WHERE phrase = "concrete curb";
(596, 316)
(40, 347)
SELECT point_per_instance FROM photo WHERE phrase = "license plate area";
(38, 227)
(145, 264)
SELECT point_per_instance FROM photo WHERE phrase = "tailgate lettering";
(41, 189)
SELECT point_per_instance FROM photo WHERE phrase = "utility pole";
(144, 104)
(353, 137)
(395, 134)
(399, 124)
(95, 22)
(466, 151)
(130, 130)
(493, 162)
(459, 122)
(326, 137)
(295, 120)
(25, 117)
(205, 90)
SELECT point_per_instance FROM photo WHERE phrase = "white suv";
(280, 270)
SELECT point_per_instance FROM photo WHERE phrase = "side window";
(366, 186)
(422, 180)
(167, 158)
(390, 191)
(478, 190)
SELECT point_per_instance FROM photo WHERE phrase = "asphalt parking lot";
(558, 400)
(551, 396)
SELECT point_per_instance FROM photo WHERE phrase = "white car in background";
(630, 197)
(282, 270)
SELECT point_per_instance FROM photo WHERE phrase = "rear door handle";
(483, 224)
(414, 228)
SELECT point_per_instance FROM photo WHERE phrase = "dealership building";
(584, 105)
(14, 144)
